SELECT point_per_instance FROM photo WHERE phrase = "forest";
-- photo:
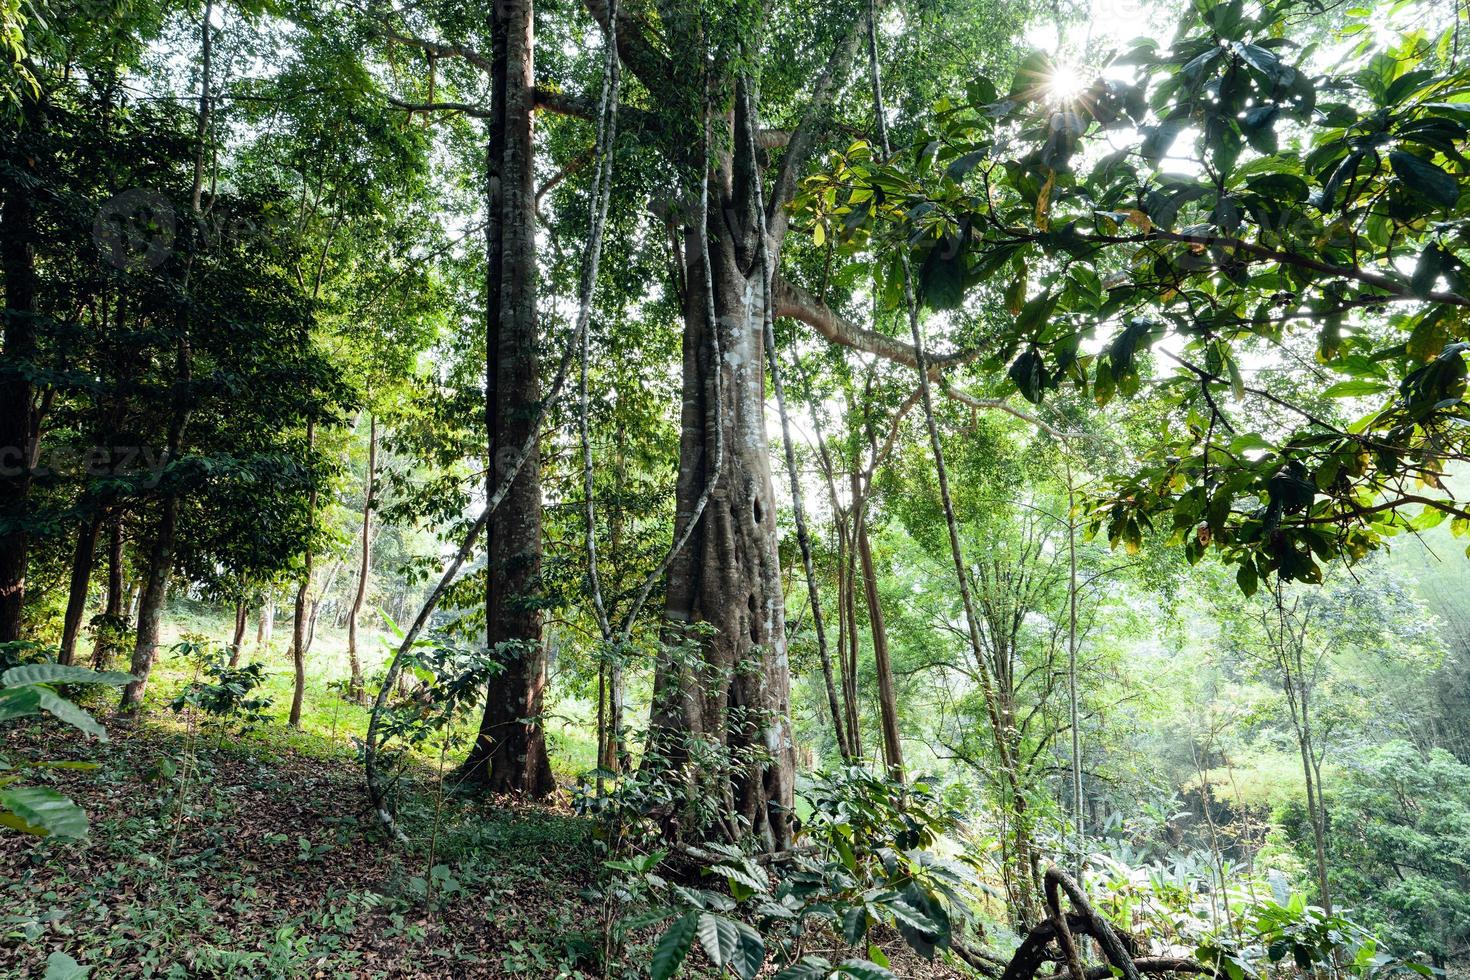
(804, 489)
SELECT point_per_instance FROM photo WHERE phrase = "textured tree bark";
(303, 590)
(103, 650)
(17, 413)
(150, 603)
(730, 688)
(509, 755)
(81, 582)
(355, 688)
(887, 698)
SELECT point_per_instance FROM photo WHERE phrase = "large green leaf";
(60, 966)
(17, 702)
(729, 942)
(673, 947)
(44, 812)
(1425, 178)
(61, 674)
(942, 277)
(864, 970)
(68, 712)
(807, 968)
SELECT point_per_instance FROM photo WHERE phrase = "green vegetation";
(930, 488)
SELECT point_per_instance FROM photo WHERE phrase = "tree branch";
(814, 116)
(793, 301)
(634, 47)
(464, 108)
(1002, 405)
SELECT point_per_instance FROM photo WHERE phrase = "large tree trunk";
(81, 583)
(17, 412)
(509, 754)
(887, 699)
(355, 688)
(303, 591)
(733, 694)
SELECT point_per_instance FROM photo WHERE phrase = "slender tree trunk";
(303, 591)
(1073, 713)
(267, 626)
(314, 613)
(81, 584)
(237, 641)
(509, 754)
(805, 545)
(17, 411)
(150, 604)
(161, 554)
(612, 754)
(848, 571)
(104, 649)
(355, 688)
(887, 698)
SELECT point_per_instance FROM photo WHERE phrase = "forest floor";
(217, 855)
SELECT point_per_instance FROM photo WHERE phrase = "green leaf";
(66, 711)
(673, 947)
(1423, 177)
(1246, 578)
(728, 942)
(45, 811)
(912, 917)
(59, 966)
(1356, 388)
(942, 277)
(807, 968)
(18, 702)
(1030, 375)
(864, 970)
(61, 674)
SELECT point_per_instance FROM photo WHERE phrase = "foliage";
(28, 690)
(1398, 850)
(1288, 930)
(1302, 222)
(230, 696)
(865, 857)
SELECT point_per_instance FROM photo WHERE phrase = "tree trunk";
(887, 699)
(612, 753)
(266, 627)
(161, 555)
(104, 649)
(17, 412)
(355, 688)
(735, 695)
(509, 755)
(848, 571)
(805, 545)
(314, 613)
(81, 583)
(150, 604)
(303, 590)
(237, 641)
